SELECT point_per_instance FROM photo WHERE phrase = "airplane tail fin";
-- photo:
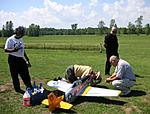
(56, 102)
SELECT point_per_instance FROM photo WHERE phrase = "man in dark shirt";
(111, 45)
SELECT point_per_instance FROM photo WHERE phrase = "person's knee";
(131, 84)
(116, 84)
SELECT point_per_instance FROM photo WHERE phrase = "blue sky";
(63, 13)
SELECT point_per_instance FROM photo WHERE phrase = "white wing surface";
(60, 85)
(94, 91)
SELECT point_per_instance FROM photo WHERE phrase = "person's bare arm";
(11, 50)
(112, 78)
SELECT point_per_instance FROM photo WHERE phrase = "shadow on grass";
(89, 99)
(64, 111)
(138, 76)
(98, 100)
(101, 86)
(135, 93)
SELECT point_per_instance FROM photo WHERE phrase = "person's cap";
(20, 30)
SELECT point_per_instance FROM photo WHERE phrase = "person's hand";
(98, 76)
(16, 49)
(28, 63)
(108, 80)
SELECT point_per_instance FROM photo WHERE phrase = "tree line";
(35, 30)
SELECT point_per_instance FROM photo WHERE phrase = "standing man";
(123, 78)
(111, 45)
(17, 59)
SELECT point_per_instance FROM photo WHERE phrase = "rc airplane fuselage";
(81, 87)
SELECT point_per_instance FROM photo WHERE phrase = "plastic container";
(41, 89)
(26, 99)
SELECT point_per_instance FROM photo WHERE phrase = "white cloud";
(6, 16)
(51, 15)
(40, 16)
(68, 14)
(124, 12)
(88, 19)
(72, 11)
(93, 2)
(53, 5)
(91, 16)
(57, 15)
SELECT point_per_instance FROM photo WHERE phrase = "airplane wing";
(60, 85)
(95, 91)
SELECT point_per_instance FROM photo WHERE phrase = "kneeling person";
(123, 78)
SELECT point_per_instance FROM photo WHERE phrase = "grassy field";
(55, 53)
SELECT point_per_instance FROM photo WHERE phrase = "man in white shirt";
(17, 59)
(123, 78)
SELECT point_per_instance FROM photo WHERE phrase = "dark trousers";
(108, 64)
(17, 66)
(70, 75)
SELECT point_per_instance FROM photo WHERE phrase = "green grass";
(62, 42)
(52, 62)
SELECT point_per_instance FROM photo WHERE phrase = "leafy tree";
(139, 25)
(101, 27)
(0, 33)
(124, 30)
(131, 28)
(101, 24)
(147, 29)
(112, 23)
(90, 31)
(7, 29)
(34, 30)
(74, 26)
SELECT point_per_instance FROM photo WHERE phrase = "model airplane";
(81, 87)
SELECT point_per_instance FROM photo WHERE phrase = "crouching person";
(123, 77)
(75, 72)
